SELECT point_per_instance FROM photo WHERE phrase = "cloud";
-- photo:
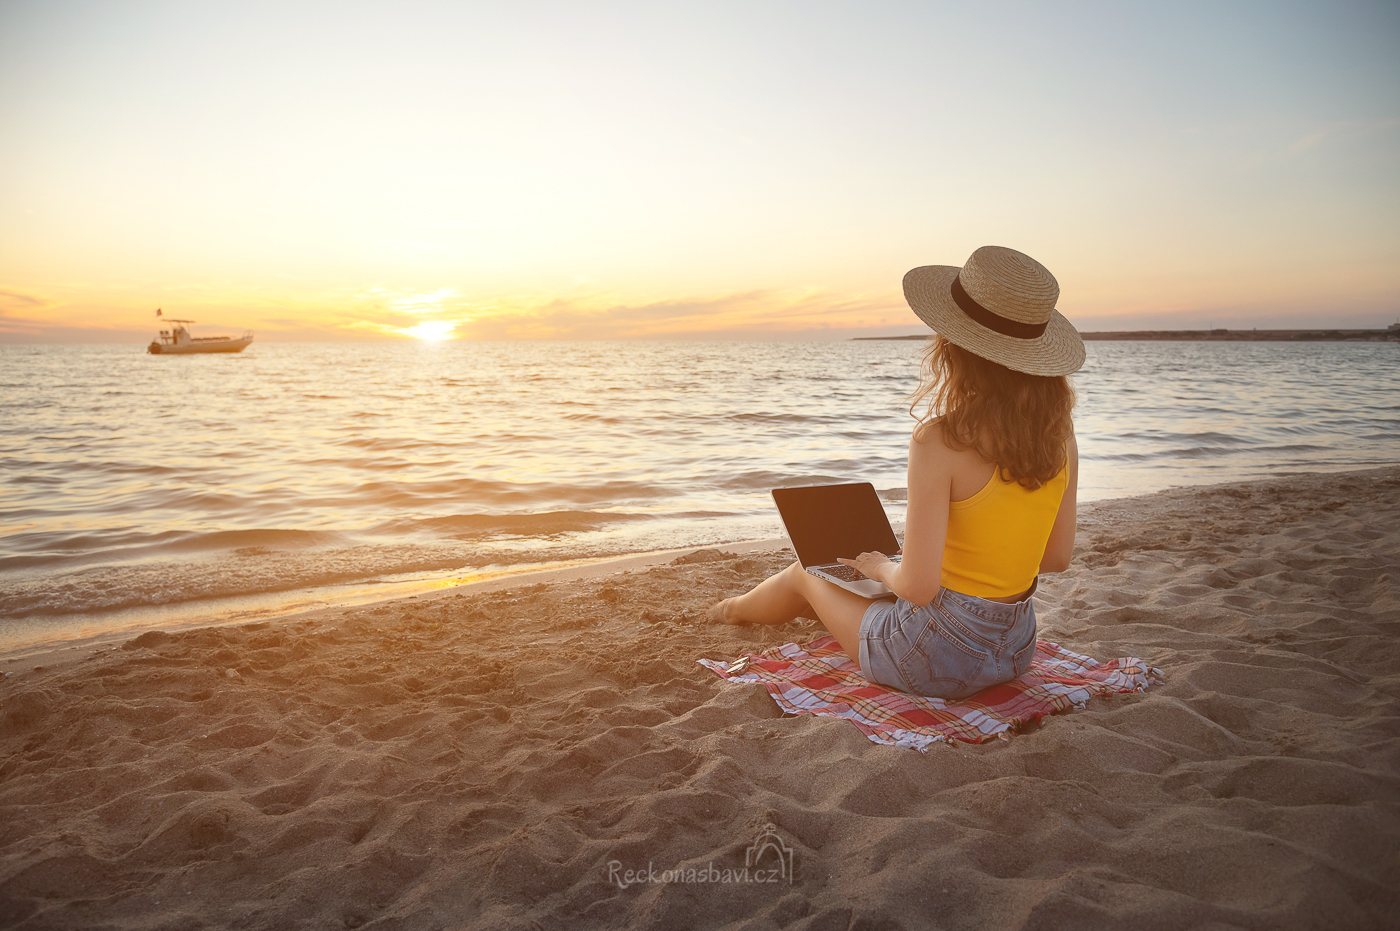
(431, 302)
(16, 301)
(759, 312)
(21, 314)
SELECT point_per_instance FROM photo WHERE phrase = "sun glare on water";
(431, 331)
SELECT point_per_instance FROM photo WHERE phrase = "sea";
(140, 490)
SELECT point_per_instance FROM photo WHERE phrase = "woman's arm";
(1060, 547)
(915, 578)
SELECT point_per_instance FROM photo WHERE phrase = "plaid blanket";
(819, 678)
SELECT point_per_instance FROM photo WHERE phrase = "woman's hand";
(871, 565)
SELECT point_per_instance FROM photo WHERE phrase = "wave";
(766, 479)
(103, 589)
(369, 464)
(1228, 439)
(390, 443)
(68, 549)
(1207, 452)
(500, 492)
(34, 469)
(39, 480)
(270, 537)
(783, 417)
(478, 526)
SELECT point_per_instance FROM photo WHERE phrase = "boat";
(178, 341)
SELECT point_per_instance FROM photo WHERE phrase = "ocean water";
(136, 486)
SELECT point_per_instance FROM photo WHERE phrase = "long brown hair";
(1020, 422)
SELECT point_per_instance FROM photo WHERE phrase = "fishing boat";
(178, 341)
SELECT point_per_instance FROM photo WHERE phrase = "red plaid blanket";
(819, 678)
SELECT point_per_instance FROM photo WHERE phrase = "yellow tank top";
(997, 537)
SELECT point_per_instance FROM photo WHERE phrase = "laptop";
(827, 521)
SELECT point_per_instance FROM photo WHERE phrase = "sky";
(710, 169)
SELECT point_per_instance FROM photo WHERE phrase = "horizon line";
(810, 335)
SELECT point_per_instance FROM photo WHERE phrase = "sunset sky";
(720, 169)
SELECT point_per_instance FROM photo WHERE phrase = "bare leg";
(793, 592)
(839, 611)
(775, 600)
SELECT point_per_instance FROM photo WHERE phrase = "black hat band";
(994, 321)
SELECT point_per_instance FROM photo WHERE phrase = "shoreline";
(290, 605)
(48, 652)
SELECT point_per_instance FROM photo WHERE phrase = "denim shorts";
(953, 646)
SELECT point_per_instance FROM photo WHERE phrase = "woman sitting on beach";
(993, 473)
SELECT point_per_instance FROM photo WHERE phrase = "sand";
(481, 758)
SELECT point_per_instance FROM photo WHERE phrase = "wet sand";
(503, 758)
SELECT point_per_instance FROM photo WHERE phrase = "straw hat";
(1001, 306)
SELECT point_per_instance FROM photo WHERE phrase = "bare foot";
(722, 612)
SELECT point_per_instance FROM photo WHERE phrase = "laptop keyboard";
(844, 573)
(847, 573)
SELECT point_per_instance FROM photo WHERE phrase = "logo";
(770, 845)
(768, 859)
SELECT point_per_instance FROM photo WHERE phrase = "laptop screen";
(827, 521)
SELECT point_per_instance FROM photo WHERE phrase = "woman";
(993, 474)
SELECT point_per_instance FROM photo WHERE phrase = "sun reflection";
(431, 331)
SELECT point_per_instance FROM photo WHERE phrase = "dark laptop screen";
(826, 521)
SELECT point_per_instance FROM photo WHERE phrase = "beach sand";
(479, 758)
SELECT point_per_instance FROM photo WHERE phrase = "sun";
(431, 331)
